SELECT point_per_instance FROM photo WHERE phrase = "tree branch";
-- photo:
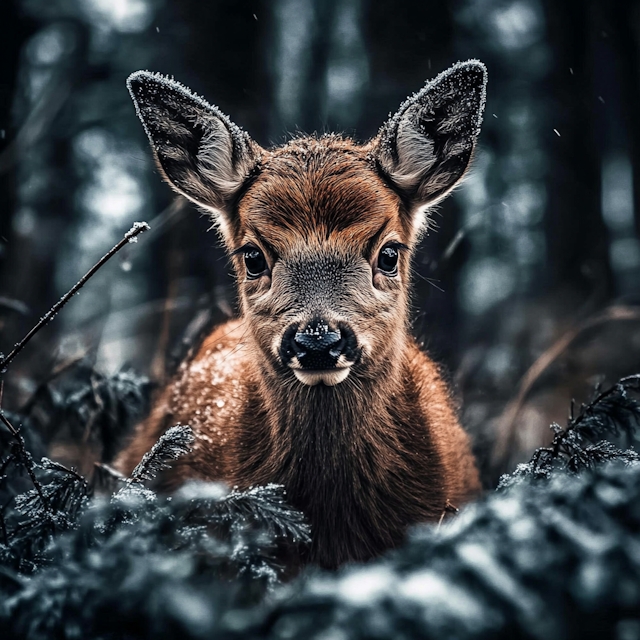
(130, 236)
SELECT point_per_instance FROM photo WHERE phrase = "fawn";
(319, 385)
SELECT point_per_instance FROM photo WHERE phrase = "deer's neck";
(348, 456)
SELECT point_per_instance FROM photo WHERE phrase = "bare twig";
(448, 508)
(110, 471)
(23, 455)
(130, 236)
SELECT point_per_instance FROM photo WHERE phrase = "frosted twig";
(130, 236)
(173, 444)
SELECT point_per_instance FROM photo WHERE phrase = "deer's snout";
(319, 352)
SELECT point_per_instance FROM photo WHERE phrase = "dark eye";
(388, 260)
(255, 263)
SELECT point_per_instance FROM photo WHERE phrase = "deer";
(319, 385)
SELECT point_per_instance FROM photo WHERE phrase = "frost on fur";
(426, 147)
(203, 155)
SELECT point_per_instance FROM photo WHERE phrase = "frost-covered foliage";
(72, 565)
(586, 441)
(79, 404)
(553, 554)
(172, 445)
(553, 561)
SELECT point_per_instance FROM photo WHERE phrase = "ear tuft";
(203, 155)
(426, 147)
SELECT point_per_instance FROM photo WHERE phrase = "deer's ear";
(426, 147)
(203, 155)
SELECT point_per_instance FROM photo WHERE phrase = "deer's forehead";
(323, 193)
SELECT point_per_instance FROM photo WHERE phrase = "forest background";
(527, 292)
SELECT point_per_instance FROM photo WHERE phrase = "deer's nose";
(317, 339)
(316, 345)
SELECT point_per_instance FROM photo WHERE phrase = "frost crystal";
(132, 234)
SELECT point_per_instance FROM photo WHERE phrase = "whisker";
(238, 345)
(431, 281)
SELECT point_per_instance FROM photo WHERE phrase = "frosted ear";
(426, 147)
(203, 155)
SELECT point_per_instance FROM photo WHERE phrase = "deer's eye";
(388, 260)
(255, 262)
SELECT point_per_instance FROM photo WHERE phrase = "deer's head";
(321, 230)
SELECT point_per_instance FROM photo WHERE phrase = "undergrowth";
(552, 554)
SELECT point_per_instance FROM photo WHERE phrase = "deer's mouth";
(329, 377)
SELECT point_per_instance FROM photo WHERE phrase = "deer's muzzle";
(319, 352)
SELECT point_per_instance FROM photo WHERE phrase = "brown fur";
(382, 449)
(364, 459)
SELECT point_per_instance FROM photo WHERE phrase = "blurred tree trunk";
(14, 32)
(576, 234)
(624, 17)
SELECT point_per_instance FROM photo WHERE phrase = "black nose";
(317, 345)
